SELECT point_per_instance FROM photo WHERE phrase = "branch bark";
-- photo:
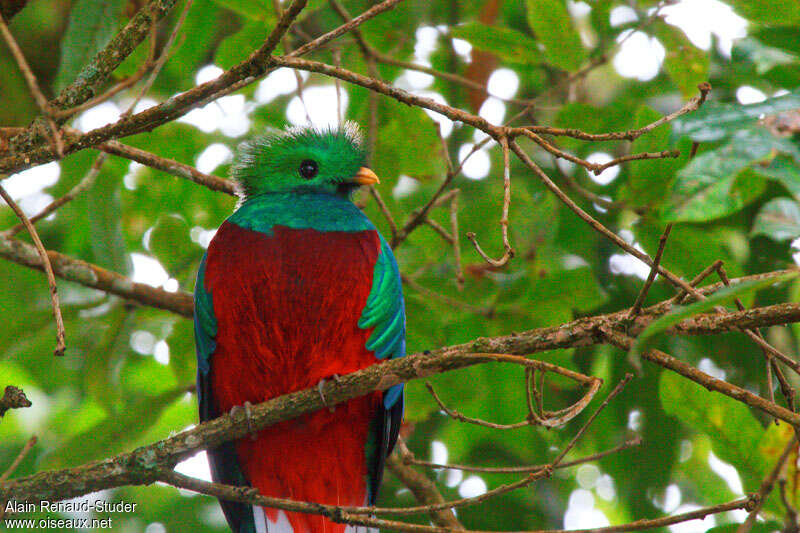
(581, 332)
(97, 277)
(13, 398)
(91, 78)
(423, 488)
(144, 465)
(27, 153)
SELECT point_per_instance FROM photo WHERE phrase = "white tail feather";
(260, 519)
(264, 525)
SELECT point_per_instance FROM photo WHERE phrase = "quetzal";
(297, 286)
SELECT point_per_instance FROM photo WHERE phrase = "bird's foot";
(321, 385)
(247, 408)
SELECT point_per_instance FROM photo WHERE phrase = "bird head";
(303, 159)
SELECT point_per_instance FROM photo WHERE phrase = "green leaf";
(92, 24)
(105, 219)
(114, 433)
(170, 243)
(733, 430)
(713, 122)
(769, 12)
(408, 133)
(193, 48)
(552, 24)
(580, 115)
(252, 9)
(702, 196)
(786, 171)
(650, 335)
(720, 182)
(765, 58)
(690, 248)
(237, 47)
(787, 39)
(100, 370)
(554, 305)
(709, 487)
(510, 45)
(649, 180)
(685, 64)
(771, 447)
(778, 219)
(758, 527)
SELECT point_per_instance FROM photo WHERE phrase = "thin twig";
(589, 195)
(349, 516)
(508, 251)
(100, 160)
(418, 216)
(384, 209)
(83, 185)
(20, 456)
(616, 239)
(336, 53)
(525, 469)
(372, 55)
(556, 419)
(96, 277)
(530, 393)
(411, 284)
(456, 241)
(162, 60)
(662, 359)
(170, 166)
(787, 390)
(767, 485)
(438, 228)
(130, 81)
(33, 86)
(790, 521)
(613, 394)
(710, 269)
(596, 168)
(692, 105)
(344, 514)
(255, 67)
(423, 489)
(662, 242)
(48, 268)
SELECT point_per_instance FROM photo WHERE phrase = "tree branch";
(46, 265)
(170, 166)
(13, 398)
(424, 489)
(581, 332)
(26, 154)
(97, 277)
(144, 465)
(91, 78)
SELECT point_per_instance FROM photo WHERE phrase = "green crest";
(300, 159)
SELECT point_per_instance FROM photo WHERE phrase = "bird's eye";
(309, 169)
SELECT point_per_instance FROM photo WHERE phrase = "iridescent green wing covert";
(385, 313)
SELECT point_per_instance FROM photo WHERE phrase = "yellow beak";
(365, 176)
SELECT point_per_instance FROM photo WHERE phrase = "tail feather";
(265, 525)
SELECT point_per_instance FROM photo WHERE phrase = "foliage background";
(123, 380)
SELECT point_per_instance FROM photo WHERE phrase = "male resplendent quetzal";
(297, 287)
